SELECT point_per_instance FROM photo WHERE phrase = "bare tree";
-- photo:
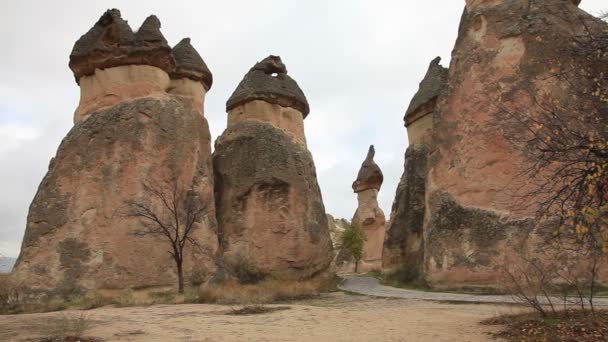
(172, 214)
(567, 142)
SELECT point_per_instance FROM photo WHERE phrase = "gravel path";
(371, 287)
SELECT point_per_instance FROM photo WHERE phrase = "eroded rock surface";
(76, 237)
(269, 207)
(506, 57)
(403, 244)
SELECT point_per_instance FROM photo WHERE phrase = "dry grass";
(256, 310)
(567, 326)
(72, 325)
(264, 292)
(10, 293)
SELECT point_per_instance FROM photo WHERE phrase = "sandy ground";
(334, 317)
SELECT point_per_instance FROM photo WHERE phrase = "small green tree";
(353, 240)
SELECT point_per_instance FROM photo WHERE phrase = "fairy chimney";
(269, 207)
(131, 130)
(369, 217)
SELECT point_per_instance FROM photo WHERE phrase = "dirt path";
(371, 287)
(335, 317)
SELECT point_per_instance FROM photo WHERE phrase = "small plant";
(353, 240)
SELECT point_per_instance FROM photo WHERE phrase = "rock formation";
(369, 217)
(403, 245)
(140, 120)
(504, 59)
(270, 213)
(337, 227)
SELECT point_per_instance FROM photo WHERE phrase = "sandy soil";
(335, 317)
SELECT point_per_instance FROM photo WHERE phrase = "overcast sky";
(358, 62)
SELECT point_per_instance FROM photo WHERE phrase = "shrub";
(245, 271)
(353, 240)
(72, 325)
(10, 293)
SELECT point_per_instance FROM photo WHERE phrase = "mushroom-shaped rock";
(268, 81)
(370, 176)
(190, 64)
(431, 86)
(111, 42)
(270, 210)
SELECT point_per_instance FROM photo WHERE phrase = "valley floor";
(333, 317)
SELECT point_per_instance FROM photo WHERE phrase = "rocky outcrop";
(270, 212)
(191, 77)
(404, 240)
(111, 42)
(419, 115)
(369, 217)
(77, 237)
(403, 243)
(337, 227)
(505, 60)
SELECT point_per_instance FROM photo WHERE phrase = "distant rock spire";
(190, 64)
(370, 176)
(268, 81)
(430, 88)
(111, 42)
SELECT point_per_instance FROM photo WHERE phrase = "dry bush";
(531, 281)
(264, 292)
(10, 293)
(70, 325)
(555, 278)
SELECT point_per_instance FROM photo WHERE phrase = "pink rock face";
(504, 57)
(77, 239)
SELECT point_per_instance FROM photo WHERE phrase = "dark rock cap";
(431, 86)
(111, 42)
(268, 81)
(189, 64)
(370, 176)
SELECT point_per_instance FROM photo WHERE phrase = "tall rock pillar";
(369, 217)
(271, 217)
(140, 121)
(403, 245)
(508, 61)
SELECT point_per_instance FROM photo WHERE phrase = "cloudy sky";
(358, 61)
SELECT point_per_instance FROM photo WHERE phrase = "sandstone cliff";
(505, 60)
(131, 127)
(464, 221)
(270, 212)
